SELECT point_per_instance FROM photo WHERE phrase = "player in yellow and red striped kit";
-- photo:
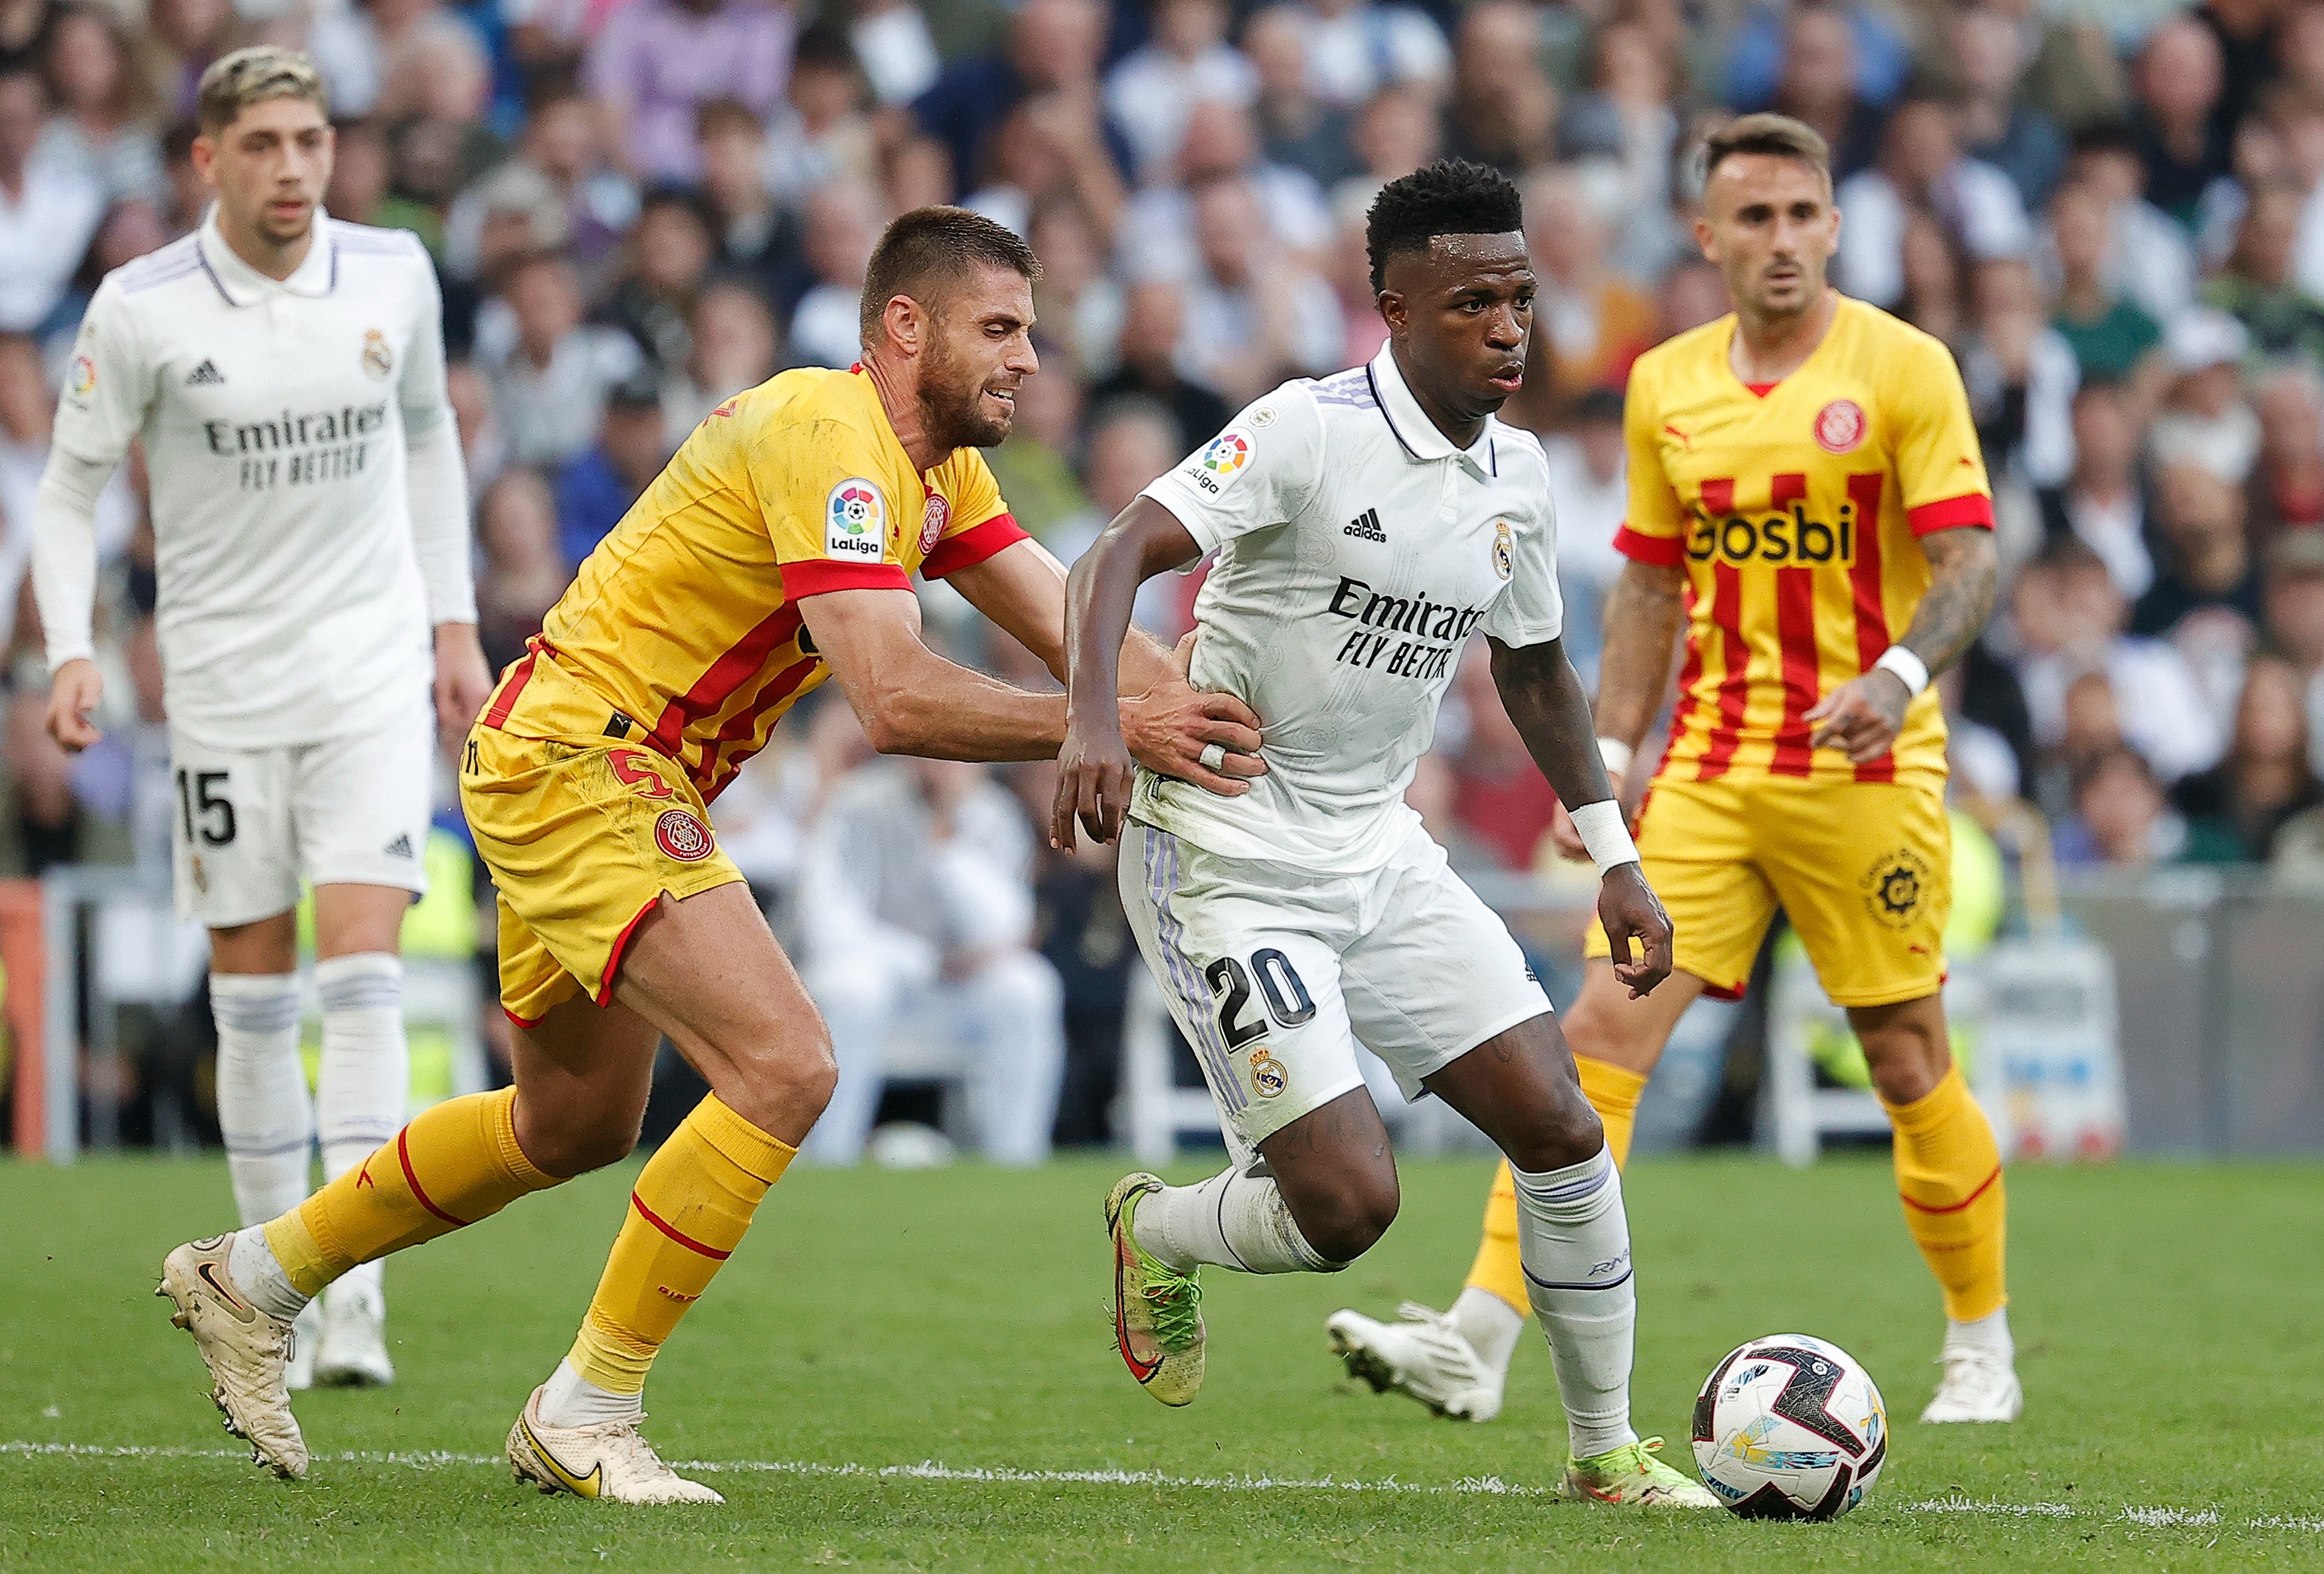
(1807, 500)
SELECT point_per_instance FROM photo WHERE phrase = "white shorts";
(1275, 974)
(251, 824)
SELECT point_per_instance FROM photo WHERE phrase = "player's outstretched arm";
(1542, 695)
(912, 701)
(1645, 616)
(1863, 714)
(1094, 767)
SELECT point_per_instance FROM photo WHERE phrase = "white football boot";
(353, 1353)
(1979, 1384)
(306, 1339)
(608, 1460)
(1422, 1355)
(246, 1350)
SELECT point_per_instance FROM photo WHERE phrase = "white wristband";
(1907, 666)
(1618, 756)
(1603, 832)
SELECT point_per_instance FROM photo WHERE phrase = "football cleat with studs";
(1422, 1355)
(1978, 1385)
(246, 1350)
(609, 1461)
(1158, 1313)
(1633, 1476)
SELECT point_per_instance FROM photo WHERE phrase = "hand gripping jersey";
(1358, 549)
(682, 633)
(1796, 516)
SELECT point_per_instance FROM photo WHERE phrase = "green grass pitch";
(2165, 1318)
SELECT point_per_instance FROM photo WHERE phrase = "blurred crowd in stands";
(2112, 210)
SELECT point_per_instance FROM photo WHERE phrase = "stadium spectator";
(2205, 421)
(669, 256)
(1186, 61)
(1503, 110)
(49, 206)
(1499, 795)
(841, 223)
(1042, 152)
(2021, 376)
(1297, 129)
(658, 61)
(2113, 339)
(1588, 324)
(755, 238)
(1052, 46)
(2180, 80)
(1588, 481)
(1356, 47)
(1921, 166)
(1396, 132)
(2286, 488)
(1253, 316)
(2294, 626)
(523, 571)
(1156, 237)
(917, 912)
(2102, 503)
(1132, 440)
(1076, 298)
(897, 51)
(182, 38)
(595, 487)
(1628, 114)
(2265, 779)
(1153, 328)
(558, 182)
(2150, 258)
(2257, 285)
(107, 110)
(735, 347)
(1035, 466)
(549, 369)
(819, 132)
(1820, 84)
(2206, 559)
(1999, 125)
(2123, 821)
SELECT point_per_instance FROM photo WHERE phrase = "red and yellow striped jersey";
(1796, 511)
(682, 630)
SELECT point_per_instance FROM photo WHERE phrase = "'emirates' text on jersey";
(1796, 516)
(682, 630)
(273, 415)
(1358, 549)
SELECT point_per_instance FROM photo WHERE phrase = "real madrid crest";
(378, 360)
(1267, 1075)
(1504, 549)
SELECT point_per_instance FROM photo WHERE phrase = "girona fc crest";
(1839, 426)
(682, 836)
(933, 522)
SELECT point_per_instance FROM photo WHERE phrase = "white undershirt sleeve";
(436, 474)
(64, 554)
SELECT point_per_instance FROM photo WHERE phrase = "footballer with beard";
(776, 550)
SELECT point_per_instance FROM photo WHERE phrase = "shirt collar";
(243, 285)
(1415, 430)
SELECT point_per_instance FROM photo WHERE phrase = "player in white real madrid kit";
(1365, 526)
(285, 372)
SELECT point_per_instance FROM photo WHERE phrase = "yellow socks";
(689, 1210)
(1613, 1092)
(1948, 1173)
(453, 1164)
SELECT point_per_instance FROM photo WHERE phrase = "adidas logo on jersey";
(1366, 527)
(206, 375)
(400, 847)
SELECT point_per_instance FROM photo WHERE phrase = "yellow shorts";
(583, 836)
(1863, 869)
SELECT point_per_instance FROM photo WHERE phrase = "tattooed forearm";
(1644, 617)
(1960, 598)
(1544, 698)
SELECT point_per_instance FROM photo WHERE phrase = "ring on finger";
(1214, 757)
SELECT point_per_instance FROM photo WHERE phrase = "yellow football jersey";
(682, 630)
(1794, 508)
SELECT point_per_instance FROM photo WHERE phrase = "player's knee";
(574, 1141)
(1565, 1130)
(1345, 1224)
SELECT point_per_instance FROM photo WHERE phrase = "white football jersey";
(274, 414)
(1358, 549)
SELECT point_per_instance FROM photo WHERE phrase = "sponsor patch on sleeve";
(1226, 456)
(856, 521)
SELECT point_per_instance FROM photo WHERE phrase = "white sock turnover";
(1234, 1219)
(569, 1399)
(1574, 1240)
(260, 1278)
(263, 1113)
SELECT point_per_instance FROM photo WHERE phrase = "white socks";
(1234, 1219)
(262, 1092)
(1491, 1325)
(1575, 1243)
(363, 1088)
(569, 1399)
(260, 1278)
(1988, 1334)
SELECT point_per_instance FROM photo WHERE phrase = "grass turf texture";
(2164, 1319)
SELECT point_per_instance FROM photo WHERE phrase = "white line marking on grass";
(933, 1471)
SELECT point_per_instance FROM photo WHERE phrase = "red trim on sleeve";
(1661, 551)
(973, 546)
(821, 575)
(1969, 511)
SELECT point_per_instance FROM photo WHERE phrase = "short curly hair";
(1450, 196)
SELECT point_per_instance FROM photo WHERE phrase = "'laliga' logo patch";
(932, 523)
(855, 518)
(1839, 426)
(1266, 1074)
(378, 360)
(1228, 453)
(1504, 549)
(82, 379)
(682, 836)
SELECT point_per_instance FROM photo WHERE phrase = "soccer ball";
(1789, 1427)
